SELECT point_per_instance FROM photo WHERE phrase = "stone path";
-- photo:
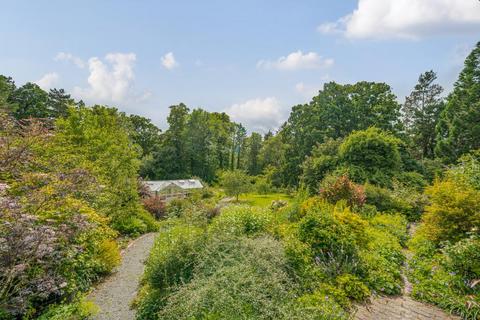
(114, 295)
(401, 307)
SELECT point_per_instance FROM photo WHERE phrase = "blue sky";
(253, 59)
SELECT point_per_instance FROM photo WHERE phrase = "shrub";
(334, 189)
(175, 207)
(173, 256)
(242, 220)
(77, 310)
(353, 287)
(454, 211)
(371, 155)
(395, 224)
(463, 258)
(239, 278)
(156, 206)
(108, 256)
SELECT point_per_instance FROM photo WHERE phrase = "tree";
(458, 130)
(421, 112)
(173, 145)
(334, 113)
(98, 137)
(254, 147)
(30, 102)
(198, 145)
(7, 87)
(58, 103)
(238, 138)
(144, 133)
(235, 183)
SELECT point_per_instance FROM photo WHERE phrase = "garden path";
(113, 296)
(401, 307)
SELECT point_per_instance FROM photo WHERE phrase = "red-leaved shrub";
(342, 188)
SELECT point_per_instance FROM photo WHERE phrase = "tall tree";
(30, 102)
(334, 113)
(421, 111)
(144, 133)
(174, 141)
(458, 130)
(239, 134)
(254, 146)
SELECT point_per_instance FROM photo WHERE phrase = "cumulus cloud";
(65, 56)
(409, 19)
(169, 62)
(110, 80)
(310, 90)
(258, 114)
(296, 61)
(48, 81)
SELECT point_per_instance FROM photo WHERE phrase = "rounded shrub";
(371, 155)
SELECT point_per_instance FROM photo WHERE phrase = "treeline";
(431, 130)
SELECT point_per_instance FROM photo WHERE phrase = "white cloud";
(410, 19)
(308, 90)
(110, 80)
(65, 56)
(48, 80)
(169, 62)
(258, 114)
(296, 61)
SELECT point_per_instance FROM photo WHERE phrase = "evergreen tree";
(458, 130)
(421, 112)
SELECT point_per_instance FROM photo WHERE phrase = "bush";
(463, 258)
(108, 256)
(371, 155)
(176, 207)
(173, 256)
(156, 206)
(454, 212)
(242, 220)
(353, 287)
(236, 277)
(77, 310)
(334, 189)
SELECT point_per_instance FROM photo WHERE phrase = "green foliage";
(173, 256)
(402, 200)
(242, 220)
(421, 111)
(334, 113)
(371, 155)
(353, 287)
(235, 183)
(98, 138)
(454, 212)
(77, 310)
(315, 168)
(458, 130)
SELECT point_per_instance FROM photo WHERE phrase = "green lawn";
(262, 200)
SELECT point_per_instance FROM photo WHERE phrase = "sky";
(251, 59)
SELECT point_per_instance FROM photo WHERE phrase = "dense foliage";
(359, 165)
(68, 188)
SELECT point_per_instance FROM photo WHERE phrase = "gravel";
(114, 295)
